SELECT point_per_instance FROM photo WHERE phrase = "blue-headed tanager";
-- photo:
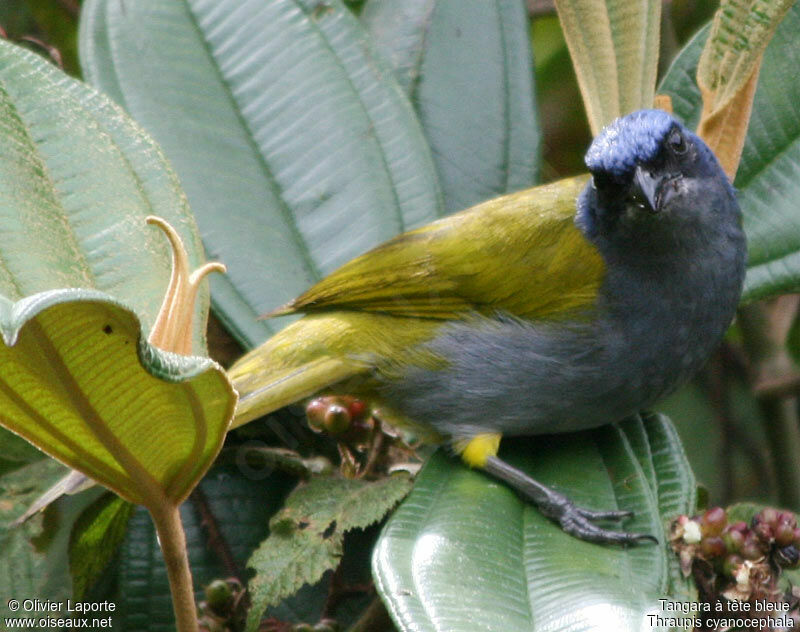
(559, 308)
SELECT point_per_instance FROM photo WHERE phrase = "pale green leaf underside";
(768, 179)
(77, 179)
(295, 145)
(77, 380)
(463, 553)
(466, 65)
(82, 278)
(614, 48)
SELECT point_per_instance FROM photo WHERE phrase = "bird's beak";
(645, 189)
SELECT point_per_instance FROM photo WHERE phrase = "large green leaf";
(768, 178)
(77, 180)
(465, 553)
(466, 64)
(295, 144)
(81, 280)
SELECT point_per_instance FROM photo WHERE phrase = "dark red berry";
(752, 548)
(713, 546)
(315, 413)
(337, 419)
(713, 521)
(787, 518)
(768, 515)
(357, 409)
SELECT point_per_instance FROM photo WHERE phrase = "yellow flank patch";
(480, 448)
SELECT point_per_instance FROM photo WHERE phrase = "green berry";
(218, 594)
(734, 539)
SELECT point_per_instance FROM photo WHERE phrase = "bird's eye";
(677, 142)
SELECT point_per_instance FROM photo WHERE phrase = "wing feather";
(520, 253)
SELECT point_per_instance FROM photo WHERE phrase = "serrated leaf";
(95, 539)
(295, 144)
(768, 179)
(614, 49)
(466, 65)
(463, 552)
(306, 535)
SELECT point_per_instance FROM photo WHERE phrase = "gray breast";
(512, 376)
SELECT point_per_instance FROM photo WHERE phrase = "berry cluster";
(737, 561)
(772, 535)
(335, 414)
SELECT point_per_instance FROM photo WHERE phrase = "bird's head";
(650, 176)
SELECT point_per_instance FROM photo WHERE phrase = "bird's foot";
(576, 521)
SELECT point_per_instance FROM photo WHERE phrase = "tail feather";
(260, 396)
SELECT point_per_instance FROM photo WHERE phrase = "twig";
(537, 8)
(374, 619)
(763, 332)
(70, 6)
(216, 541)
(172, 538)
(725, 367)
(779, 387)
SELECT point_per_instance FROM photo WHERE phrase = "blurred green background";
(719, 419)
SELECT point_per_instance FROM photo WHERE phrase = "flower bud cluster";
(772, 535)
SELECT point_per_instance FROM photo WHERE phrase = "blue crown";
(629, 140)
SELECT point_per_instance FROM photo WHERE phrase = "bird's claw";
(604, 515)
(573, 519)
(578, 522)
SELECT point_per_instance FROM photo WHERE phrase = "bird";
(559, 308)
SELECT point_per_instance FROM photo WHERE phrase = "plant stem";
(169, 528)
(216, 541)
(763, 334)
(374, 619)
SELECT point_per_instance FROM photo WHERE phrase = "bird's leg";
(480, 451)
(573, 519)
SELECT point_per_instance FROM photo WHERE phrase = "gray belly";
(516, 377)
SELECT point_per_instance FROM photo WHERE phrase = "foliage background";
(721, 421)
